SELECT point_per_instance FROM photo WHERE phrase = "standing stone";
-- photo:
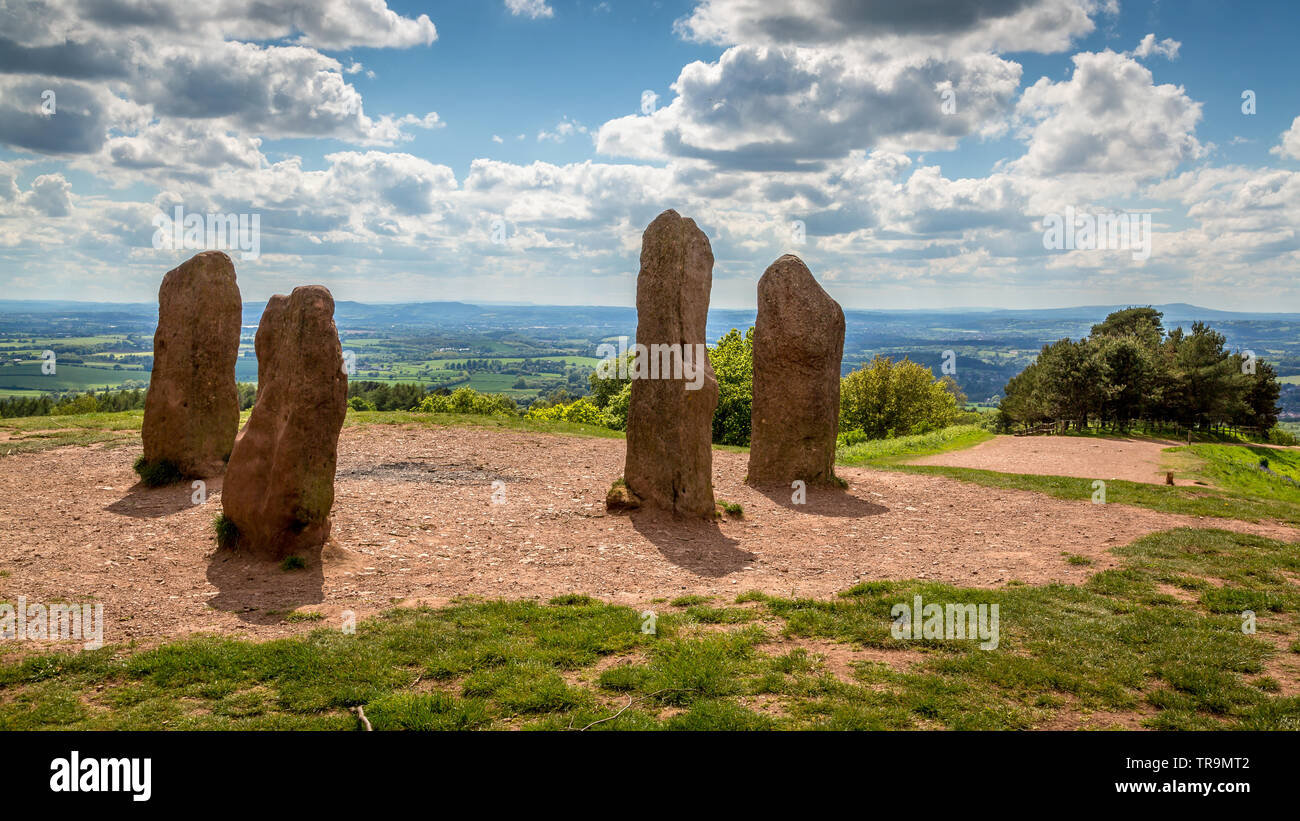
(670, 425)
(280, 485)
(191, 412)
(798, 342)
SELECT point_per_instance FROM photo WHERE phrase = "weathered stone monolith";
(279, 488)
(674, 392)
(191, 412)
(798, 342)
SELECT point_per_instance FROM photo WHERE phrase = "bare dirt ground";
(415, 522)
(1136, 459)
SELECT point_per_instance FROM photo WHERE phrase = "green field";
(36, 344)
(28, 377)
(589, 361)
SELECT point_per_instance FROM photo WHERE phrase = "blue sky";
(502, 150)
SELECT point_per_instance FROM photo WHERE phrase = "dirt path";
(415, 521)
(1137, 459)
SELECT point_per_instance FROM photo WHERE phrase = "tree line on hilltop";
(1130, 369)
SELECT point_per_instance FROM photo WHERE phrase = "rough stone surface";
(191, 412)
(279, 487)
(798, 343)
(669, 427)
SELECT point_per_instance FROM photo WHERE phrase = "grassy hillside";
(1258, 472)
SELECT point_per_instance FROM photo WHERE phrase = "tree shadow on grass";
(697, 545)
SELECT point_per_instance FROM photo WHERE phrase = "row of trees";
(1129, 368)
(72, 402)
(95, 402)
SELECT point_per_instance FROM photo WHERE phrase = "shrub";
(733, 365)
(616, 408)
(606, 382)
(887, 398)
(583, 411)
(1277, 435)
(470, 401)
(849, 438)
(83, 403)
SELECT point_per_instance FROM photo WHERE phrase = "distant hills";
(990, 344)
(417, 314)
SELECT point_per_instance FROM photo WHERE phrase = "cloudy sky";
(514, 150)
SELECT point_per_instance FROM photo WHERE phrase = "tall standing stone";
(670, 424)
(279, 488)
(191, 412)
(798, 343)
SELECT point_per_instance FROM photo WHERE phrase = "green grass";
(1118, 645)
(474, 420)
(157, 474)
(131, 420)
(690, 600)
(1235, 468)
(29, 434)
(1192, 501)
(890, 451)
(1241, 491)
(226, 531)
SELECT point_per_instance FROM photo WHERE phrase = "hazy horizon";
(712, 307)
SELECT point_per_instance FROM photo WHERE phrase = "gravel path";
(415, 522)
(1135, 459)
